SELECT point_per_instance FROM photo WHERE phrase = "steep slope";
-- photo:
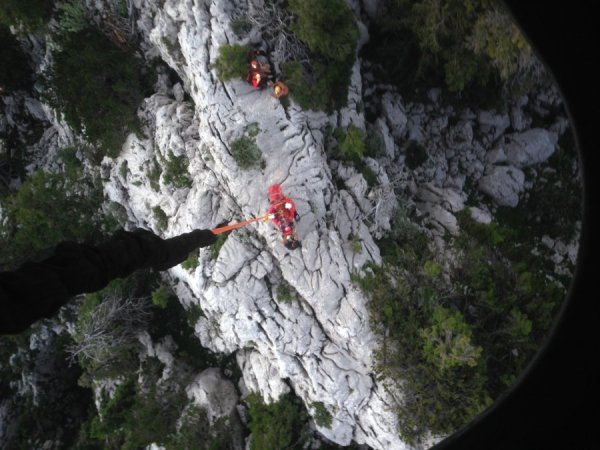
(320, 344)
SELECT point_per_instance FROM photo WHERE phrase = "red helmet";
(275, 193)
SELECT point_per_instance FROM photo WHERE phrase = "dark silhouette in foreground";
(37, 290)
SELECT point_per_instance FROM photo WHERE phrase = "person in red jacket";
(259, 70)
(282, 212)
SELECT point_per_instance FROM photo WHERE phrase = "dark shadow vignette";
(552, 403)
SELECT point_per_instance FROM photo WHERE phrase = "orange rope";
(233, 226)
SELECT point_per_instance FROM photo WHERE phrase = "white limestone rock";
(503, 184)
(493, 124)
(480, 215)
(530, 147)
(212, 391)
(260, 374)
(495, 156)
(395, 114)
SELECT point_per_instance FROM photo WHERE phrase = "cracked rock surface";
(319, 343)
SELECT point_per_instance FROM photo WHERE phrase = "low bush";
(49, 208)
(160, 217)
(232, 62)
(31, 14)
(241, 26)
(456, 338)
(246, 153)
(160, 296)
(176, 171)
(286, 292)
(282, 424)
(72, 18)
(322, 416)
(329, 30)
(216, 247)
(468, 46)
(328, 27)
(352, 145)
(191, 261)
(98, 87)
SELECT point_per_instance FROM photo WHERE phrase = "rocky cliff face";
(319, 343)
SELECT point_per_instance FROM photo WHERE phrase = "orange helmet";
(275, 193)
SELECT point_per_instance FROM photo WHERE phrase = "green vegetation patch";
(282, 424)
(322, 417)
(246, 153)
(241, 26)
(216, 247)
(99, 87)
(286, 293)
(176, 171)
(232, 62)
(456, 337)
(328, 27)
(73, 17)
(191, 261)
(329, 30)
(160, 217)
(31, 14)
(468, 46)
(161, 295)
(47, 209)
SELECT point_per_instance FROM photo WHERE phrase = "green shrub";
(245, 151)
(49, 208)
(31, 14)
(133, 419)
(286, 292)
(191, 261)
(176, 172)
(277, 425)
(73, 18)
(448, 340)
(232, 62)
(321, 87)
(216, 247)
(252, 129)
(72, 164)
(241, 26)
(328, 27)
(194, 314)
(98, 87)
(355, 244)
(160, 217)
(161, 295)
(322, 416)
(330, 32)
(430, 346)
(352, 145)
(368, 174)
(466, 45)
